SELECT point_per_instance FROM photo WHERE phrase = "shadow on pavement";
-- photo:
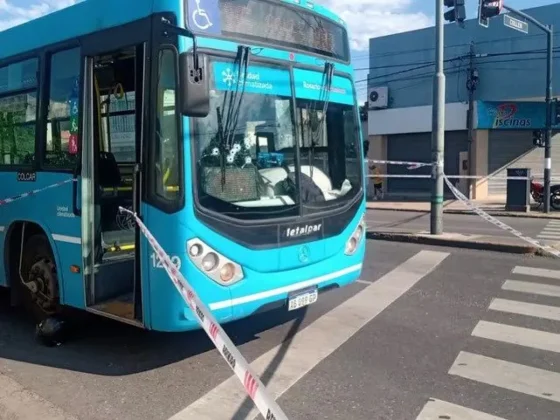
(105, 347)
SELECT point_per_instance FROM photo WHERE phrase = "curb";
(501, 213)
(456, 243)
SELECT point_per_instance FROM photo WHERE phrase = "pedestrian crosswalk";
(551, 232)
(526, 283)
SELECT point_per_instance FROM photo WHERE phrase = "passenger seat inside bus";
(112, 235)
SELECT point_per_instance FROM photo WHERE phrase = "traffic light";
(457, 14)
(488, 9)
(538, 138)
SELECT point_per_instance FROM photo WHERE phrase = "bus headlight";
(219, 268)
(355, 238)
(227, 272)
(210, 261)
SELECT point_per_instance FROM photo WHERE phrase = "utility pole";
(472, 81)
(548, 30)
(438, 121)
(491, 8)
(548, 131)
(456, 14)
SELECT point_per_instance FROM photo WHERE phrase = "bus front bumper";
(254, 294)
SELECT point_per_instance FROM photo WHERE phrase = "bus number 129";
(156, 263)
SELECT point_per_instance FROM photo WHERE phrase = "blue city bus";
(231, 127)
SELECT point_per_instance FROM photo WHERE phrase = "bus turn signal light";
(356, 238)
(213, 264)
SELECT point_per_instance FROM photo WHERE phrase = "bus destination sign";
(269, 23)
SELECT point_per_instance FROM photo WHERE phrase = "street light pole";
(438, 133)
(548, 29)
(548, 128)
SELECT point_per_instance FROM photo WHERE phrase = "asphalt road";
(387, 220)
(427, 334)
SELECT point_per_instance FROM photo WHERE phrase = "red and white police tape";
(264, 402)
(33, 192)
(415, 165)
(461, 197)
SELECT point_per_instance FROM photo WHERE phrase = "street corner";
(457, 240)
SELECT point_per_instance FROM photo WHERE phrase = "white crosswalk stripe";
(537, 272)
(527, 337)
(551, 232)
(437, 410)
(525, 308)
(513, 376)
(532, 288)
(502, 373)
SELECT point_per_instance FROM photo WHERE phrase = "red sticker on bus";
(73, 144)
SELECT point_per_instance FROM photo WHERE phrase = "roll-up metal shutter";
(417, 148)
(508, 149)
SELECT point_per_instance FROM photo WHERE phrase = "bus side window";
(167, 151)
(62, 119)
(18, 107)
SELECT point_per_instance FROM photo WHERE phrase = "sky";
(365, 18)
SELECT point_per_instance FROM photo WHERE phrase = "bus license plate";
(302, 298)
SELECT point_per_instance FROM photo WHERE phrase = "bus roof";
(74, 21)
(90, 16)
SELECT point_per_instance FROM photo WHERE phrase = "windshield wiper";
(227, 124)
(324, 96)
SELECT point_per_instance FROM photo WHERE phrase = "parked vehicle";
(537, 190)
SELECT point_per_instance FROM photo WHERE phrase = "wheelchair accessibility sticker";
(204, 16)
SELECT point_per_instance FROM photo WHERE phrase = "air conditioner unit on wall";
(378, 97)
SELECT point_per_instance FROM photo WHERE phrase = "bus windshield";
(329, 153)
(246, 153)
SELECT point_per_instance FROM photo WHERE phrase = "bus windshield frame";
(276, 146)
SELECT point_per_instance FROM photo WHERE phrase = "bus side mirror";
(195, 85)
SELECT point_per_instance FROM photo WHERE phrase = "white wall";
(416, 119)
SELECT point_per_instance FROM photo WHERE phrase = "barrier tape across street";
(266, 405)
(461, 197)
(33, 192)
(415, 165)
(499, 178)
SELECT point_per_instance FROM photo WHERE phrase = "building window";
(18, 111)
(61, 147)
(167, 159)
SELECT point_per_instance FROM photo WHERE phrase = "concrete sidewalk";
(512, 245)
(18, 403)
(493, 207)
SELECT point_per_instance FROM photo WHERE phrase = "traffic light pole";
(438, 120)
(548, 29)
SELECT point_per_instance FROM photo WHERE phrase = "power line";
(480, 56)
(484, 55)
(453, 70)
(405, 71)
(490, 41)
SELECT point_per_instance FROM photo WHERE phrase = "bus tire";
(38, 287)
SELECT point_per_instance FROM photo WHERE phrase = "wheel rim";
(43, 285)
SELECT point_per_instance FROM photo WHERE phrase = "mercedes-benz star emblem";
(304, 254)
